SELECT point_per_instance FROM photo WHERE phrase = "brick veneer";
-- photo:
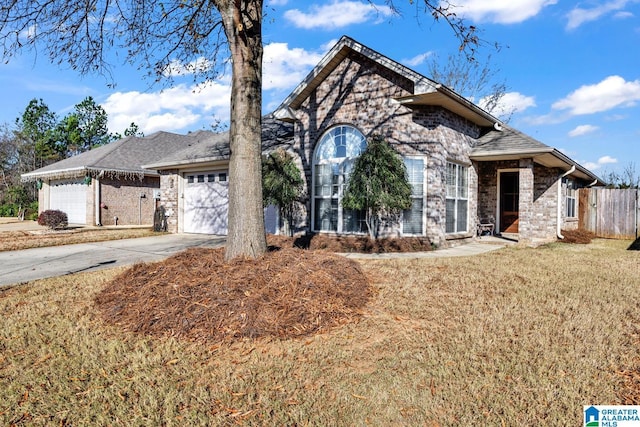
(359, 92)
(169, 197)
(121, 199)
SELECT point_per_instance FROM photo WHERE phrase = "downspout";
(558, 226)
(96, 202)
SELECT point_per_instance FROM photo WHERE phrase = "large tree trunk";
(246, 233)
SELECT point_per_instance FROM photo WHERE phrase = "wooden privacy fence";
(609, 212)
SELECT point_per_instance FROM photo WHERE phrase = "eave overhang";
(444, 97)
(190, 163)
(547, 157)
(81, 171)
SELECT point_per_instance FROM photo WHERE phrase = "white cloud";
(583, 130)
(170, 110)
(610, 93)
(500, 11)
(510, 103)
(605, 160)
(417, 60)
(337, 14)
(623, 15)
(578, 16)
(29, 33)
(284, 68)
(177, 68)
(184, 107)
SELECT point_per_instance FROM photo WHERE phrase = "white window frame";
(571, 199)
(415, 196)
(459, 192)
(340, 167)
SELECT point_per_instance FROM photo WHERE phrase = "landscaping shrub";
(8, 210)
(53, 219)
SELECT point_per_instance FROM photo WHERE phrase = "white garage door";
(206, 202)
(70, 197)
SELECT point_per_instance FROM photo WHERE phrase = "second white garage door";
(206, 202)
(70, 197)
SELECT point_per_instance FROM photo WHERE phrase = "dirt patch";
(577, 236)
(195, 295)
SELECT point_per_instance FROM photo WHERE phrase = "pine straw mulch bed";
(346, 244)
(195, 295)
(582, 237)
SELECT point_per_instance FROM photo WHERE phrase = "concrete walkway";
(469, 249)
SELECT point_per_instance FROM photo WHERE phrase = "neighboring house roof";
(507, 143)
(119, 159)
(425, 90)
(208, 147)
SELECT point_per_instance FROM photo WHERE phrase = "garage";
(206, 202)
(70, 197)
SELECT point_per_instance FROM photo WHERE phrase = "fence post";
(637, 213)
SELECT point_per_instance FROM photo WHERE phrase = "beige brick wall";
(121, 198)
(169, 197)
(360, 93)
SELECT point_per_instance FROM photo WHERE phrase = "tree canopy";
(39, 138)
(378, 185)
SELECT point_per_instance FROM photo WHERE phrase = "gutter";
(94, 172)
(558, 225)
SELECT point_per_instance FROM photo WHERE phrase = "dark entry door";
(509, 200)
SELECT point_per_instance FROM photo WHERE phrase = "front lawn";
(518, 336)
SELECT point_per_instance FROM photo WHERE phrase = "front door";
(509, 200)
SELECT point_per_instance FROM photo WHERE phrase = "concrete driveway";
(30, 264)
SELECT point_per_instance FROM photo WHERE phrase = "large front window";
(333, 161)
(457, 198)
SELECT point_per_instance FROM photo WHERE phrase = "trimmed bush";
(53, 219)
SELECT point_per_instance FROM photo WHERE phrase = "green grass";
(520, 336)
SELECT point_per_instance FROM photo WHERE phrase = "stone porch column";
(525, 206)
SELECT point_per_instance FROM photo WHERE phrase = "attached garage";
(206, 202)
(70, 197)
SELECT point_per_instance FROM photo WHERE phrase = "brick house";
(108, 185)
(463, 163)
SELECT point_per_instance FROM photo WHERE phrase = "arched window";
(333, 160)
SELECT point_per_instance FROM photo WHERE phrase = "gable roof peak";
(425, 91)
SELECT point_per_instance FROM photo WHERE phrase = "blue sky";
(572, 70)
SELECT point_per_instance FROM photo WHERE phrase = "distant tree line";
(38, 137)
(628, 178)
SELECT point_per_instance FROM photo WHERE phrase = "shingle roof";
(120, 158)
(139, 156)
(207, 146)
(508, 139)
(425, 90)
(508, 143)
